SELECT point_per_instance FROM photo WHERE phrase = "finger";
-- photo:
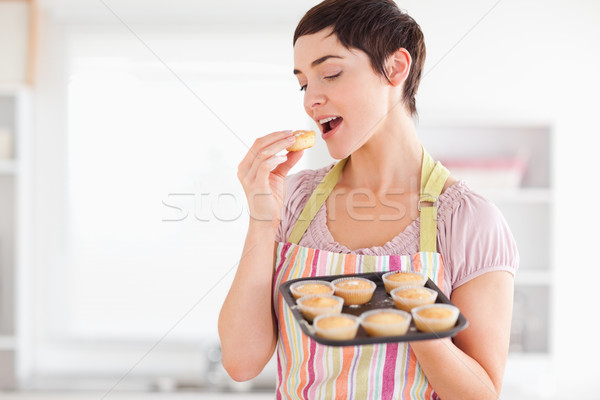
(247, 162)
(266, 155)
(292, 159)
(264, 169)
(277, 147)
(272, 138)
(259, 145)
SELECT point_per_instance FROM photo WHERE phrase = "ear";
(398, 66)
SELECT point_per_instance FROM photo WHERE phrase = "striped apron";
(309, 370)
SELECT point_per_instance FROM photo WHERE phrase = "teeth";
(326, 120)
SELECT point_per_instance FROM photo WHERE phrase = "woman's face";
(343, 95)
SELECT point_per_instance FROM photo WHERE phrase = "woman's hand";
(262, 174)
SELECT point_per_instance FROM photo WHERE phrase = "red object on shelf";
(487, 163)
(488, 173)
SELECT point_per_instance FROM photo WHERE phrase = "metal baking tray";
(380, 299)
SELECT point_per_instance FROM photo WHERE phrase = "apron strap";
(433, 178)
(316, 200)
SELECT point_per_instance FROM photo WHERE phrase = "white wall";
(14, 37)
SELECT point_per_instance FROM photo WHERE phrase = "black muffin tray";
(380, 300)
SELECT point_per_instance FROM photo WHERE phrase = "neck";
(390, 159)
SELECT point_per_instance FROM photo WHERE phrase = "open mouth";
(328, 124)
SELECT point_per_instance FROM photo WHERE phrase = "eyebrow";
(318, 61)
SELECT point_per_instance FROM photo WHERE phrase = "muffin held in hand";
(304, 140)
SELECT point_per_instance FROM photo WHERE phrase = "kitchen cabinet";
(14, 118)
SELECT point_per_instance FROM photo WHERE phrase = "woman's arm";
(472, 366)
(247, 327)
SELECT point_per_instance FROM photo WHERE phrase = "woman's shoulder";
(474, 235)
(461, 203)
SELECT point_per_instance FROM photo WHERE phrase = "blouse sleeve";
(477, 240)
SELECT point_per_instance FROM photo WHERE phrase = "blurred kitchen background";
(122, 123)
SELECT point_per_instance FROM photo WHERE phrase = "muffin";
(317, 304)
(385, 322)
(435, 317)
(305, 288)
(407, 298)
(336, 326)
(353, 290)
(304, 140)
(395, 279)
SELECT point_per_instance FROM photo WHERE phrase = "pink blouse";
(473, 236)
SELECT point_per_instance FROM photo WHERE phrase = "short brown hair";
(377, 27)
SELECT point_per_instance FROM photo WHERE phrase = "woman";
(359, 63)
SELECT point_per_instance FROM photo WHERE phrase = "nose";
(313, 98)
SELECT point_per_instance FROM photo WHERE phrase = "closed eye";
(332, 77)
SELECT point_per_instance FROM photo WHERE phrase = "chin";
(338, 153)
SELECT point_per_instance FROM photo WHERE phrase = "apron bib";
(309, 370)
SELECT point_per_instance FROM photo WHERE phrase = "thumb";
(292, 159)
